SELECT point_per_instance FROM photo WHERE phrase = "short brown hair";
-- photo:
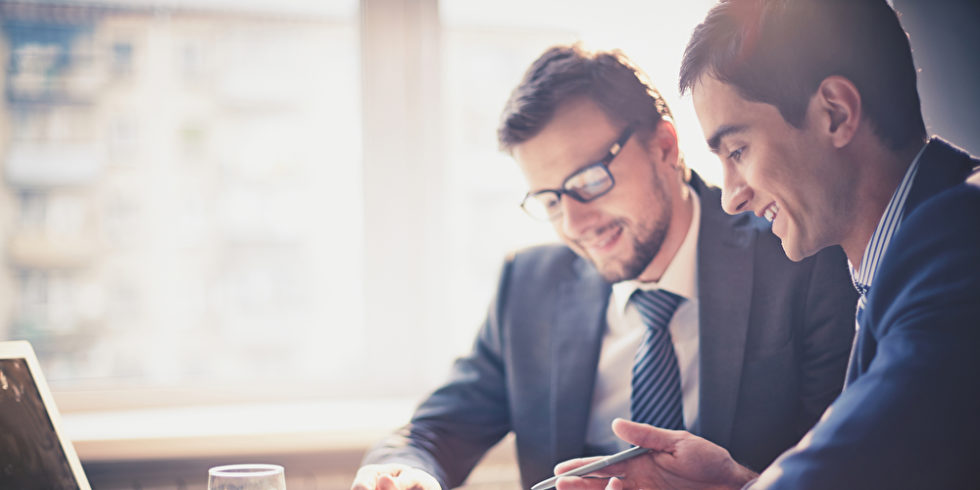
(564, 73)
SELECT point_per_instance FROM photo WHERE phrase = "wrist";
(741, 476)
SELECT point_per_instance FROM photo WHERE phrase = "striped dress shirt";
(864, 276)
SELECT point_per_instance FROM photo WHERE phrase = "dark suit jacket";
(774, 339)
(910, 415)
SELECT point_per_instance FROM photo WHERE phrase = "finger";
(386, 482)
(566, 466)
(614, 484)
(645, 435)
(413, 479)
(364, 480)
(579, 483)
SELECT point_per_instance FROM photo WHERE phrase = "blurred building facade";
(162, 175)
(275, 191)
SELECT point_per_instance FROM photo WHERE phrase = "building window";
(313, 196)
(121, 59)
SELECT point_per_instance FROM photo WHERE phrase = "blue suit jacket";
(910, 415)
(774, 339)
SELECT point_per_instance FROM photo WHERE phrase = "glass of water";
(247, 477)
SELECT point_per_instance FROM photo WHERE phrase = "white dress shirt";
(624, 333)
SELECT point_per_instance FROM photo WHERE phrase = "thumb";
(645, 435)
(614, 484)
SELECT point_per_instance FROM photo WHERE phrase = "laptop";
(33, 450)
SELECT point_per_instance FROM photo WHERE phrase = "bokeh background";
(228, 203)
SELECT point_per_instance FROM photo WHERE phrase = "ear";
(662, 144)
(839, 109)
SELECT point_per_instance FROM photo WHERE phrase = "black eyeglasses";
(587, 183)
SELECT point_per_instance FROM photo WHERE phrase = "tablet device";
(33, 450)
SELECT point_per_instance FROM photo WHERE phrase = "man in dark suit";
(813, 109)
(760, 342)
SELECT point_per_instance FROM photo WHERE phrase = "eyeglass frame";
(614, 150)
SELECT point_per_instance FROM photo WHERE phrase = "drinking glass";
(247, 477)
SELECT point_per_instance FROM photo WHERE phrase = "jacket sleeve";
(910, 420)
(453, 428)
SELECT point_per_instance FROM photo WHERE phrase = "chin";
(615, 271)
(794, 255)
(796, 251)
(793, 250)
(612, 274)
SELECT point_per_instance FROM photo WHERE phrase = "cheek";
(559, 227)
(771, 175)
(632, 207)
(754, 175)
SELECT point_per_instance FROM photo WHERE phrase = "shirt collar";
(680, 277)
(887, 226)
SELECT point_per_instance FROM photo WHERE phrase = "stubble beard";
(646, 243)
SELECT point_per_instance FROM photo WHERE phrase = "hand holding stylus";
(675, 459)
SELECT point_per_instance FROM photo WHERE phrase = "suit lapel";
(941, 166)
(725, 264)
(579, 323)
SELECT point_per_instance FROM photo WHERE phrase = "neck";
(879, 175)
(682, 213)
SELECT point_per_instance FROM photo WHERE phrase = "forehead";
(578, 134)
(723, 112)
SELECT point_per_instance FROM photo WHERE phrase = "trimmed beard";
(647, 242)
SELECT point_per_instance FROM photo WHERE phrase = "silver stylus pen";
(589, 468)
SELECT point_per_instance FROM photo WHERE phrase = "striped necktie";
(656, 395)
(852, 370)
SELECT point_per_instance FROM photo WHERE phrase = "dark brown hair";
(565, 73)
(778, 51)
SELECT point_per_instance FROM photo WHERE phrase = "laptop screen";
(32, 453)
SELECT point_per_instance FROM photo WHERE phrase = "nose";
(576, 217)
(735, 193)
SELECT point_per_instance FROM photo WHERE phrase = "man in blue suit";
(812, 107)
(761, 342)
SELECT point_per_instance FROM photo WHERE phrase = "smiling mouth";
(770, 211)
(605, 239)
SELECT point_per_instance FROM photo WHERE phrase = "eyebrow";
(714, 142)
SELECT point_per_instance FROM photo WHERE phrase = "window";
(187, 192)
(122, 59)
(312, 200)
